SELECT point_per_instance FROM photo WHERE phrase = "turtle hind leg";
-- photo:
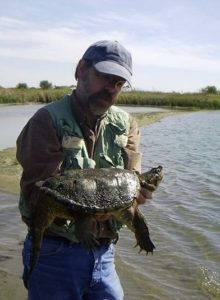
(141, 232)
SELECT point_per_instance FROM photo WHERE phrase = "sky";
(175, 44)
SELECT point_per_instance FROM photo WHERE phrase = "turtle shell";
(93, 190)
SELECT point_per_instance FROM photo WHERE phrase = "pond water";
(183, 218)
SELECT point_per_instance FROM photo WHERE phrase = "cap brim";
(112, 68)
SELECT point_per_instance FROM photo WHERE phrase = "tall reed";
(172, 100)
(134, 97)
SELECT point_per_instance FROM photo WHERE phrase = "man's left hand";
(144, 196)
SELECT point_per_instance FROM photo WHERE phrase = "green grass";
(22, 96)
(171, 100)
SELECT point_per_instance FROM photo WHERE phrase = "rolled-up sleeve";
(131, 153)
(38, 151)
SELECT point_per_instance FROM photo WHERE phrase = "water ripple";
(184, 216)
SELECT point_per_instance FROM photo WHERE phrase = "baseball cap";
(110, 57)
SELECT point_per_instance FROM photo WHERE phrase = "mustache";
(104, 94)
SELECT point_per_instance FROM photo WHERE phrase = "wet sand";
(11, 285)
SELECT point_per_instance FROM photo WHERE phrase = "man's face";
(100, 90)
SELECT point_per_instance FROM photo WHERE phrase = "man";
(82, 130)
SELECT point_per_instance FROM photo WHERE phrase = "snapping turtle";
(80, 194)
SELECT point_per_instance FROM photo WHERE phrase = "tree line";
(45, 85)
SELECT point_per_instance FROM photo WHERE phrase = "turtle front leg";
(136, 222)
(141, 232)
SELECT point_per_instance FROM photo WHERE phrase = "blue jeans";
(68, 271)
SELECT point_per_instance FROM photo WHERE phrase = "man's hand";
(144, 196)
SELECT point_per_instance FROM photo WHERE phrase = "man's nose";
(113, 86)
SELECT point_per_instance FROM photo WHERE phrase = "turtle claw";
(141, 249)
(145, 243)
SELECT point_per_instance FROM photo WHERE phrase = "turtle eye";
(159, 169)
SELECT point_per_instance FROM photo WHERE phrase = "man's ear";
(81, 69)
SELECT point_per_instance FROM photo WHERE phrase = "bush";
(22, 85)
(44, 84)
(210, 89)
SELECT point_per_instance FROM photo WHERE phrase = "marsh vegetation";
(200, 100)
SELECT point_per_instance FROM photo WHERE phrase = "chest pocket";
(109, 147)
(76, 156)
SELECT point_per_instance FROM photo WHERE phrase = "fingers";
(144, 196)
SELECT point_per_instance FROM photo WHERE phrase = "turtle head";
(152, 178)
